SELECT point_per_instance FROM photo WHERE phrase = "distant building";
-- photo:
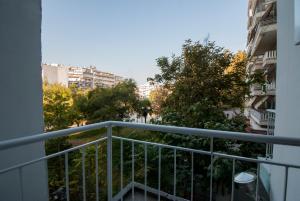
(55, 73)
(75, 76)
(82, 77)
(144, 90)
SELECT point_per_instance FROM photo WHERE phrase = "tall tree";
(158, 98)
(116, 103)
(202, 82)
(58, 114)
(57, 105)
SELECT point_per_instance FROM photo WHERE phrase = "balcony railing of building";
(270, 88)
(261, 117)
(270, 1)
(269, 57)
(256, 91)
(270, 131)
(265, 25)
(211, 135)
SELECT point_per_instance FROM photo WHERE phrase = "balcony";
(260, 117)
(256, 90)
(265, 36)
(137, 190)
(255, 19)
(270, 58)
(271, 88)
(269, 1)
(258, 64)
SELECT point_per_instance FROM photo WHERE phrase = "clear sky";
(127, 36)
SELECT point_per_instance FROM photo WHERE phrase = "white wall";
(288, 99)
(21, 97)
(55, 74)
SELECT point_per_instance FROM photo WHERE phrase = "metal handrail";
(211, 134)
(291, 141)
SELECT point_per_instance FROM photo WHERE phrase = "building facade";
(144, 90)
(55, 73)
(82, 77)
(262, 53)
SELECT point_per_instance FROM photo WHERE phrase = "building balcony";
(255, 19)
(258, 64)
(270, 58)
(269, 1)
(256, 90)
(265, 37)
(254, 65)
(129, 151)
(260, 117)
(271, 88)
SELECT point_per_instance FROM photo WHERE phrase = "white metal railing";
(270, 131)
(210, 134)
(262, 117)
(271, 87)
(269, 1)
(269, 57)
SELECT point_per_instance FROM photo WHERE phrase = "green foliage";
(196, 88)
(144, 108)
(57, 105)
(103, 104)
(202, 82)
(58, 114)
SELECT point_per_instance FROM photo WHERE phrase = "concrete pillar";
(288, 99)
(21, 98)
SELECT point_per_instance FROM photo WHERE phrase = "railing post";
(109, 163)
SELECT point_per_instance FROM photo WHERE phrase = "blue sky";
(126, 36)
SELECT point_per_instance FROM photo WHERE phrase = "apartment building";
(75, 76)
(261, 50)
(82, 77)
(55, 73)
(144, 90)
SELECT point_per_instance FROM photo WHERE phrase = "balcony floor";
(139, 195)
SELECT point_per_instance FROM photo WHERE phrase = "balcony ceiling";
(267, 40)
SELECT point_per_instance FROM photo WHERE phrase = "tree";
(116, 103)
(58, 114)
(144, 108)
(158, 98)
(57, 105)
(202, 82)
(79, 101)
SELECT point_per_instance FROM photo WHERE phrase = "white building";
(144, 90)
(55, 73)
(75, 76)
(82, 77)
(262, 39)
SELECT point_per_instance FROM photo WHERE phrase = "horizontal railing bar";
(164, 145)
(6, 144)
(52, 155)
(221, 155)
(292, 141)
